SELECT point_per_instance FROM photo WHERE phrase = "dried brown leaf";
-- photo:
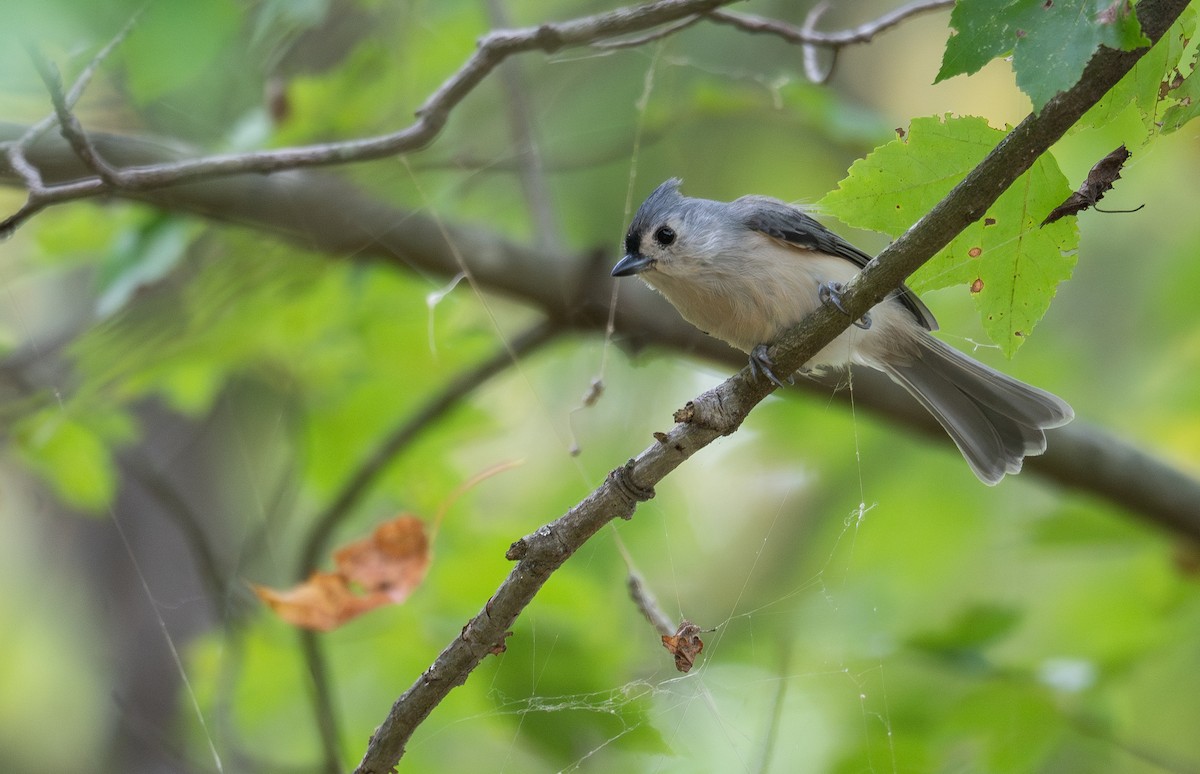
(685, 644)
(378, 570)
(1099, 181)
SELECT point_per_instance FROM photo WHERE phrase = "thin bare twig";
(68, 124)
(493, 49)
(664, 18)
(15, 150)
(662, 32)
(720, 411)
(84, 79)
(404, 433)
(863, 33)
(29, 174)
(647, 604)
(42, 197)
(812, 68)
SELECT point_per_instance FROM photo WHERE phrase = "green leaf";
(900, 181)
(1061, 39)
(1187, 94)
(1021, 263)
(1009, 264)
(1143, 85)
(1051, 42)
(981, 31)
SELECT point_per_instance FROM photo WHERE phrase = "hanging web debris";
(1099, 181)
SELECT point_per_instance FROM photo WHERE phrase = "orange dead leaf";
(685, 644)
(375, 571)
(322, 603)
(393, 561)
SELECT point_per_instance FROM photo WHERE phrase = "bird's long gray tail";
(995, 420)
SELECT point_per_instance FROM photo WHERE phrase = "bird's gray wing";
(784, 222)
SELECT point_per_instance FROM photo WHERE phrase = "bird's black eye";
(664, 236)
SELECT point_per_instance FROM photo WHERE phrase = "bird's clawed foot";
(760, 365)
(831, 293)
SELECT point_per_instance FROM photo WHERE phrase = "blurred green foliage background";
(181, 398)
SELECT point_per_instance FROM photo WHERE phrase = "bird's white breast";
(752, 298)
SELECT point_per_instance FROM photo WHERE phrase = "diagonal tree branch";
(721, 410)
(320, 212)
(718, 412)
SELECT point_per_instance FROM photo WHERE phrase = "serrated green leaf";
(1051, 42)
(1142, 86)
(899, 182)
(1021, 263)
(1187, 95)
(1009, 264)
(981, 30)
(1118, 26)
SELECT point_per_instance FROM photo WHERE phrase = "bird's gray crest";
(666, 192)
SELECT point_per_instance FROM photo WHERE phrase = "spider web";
(727, 712)
(799, 644)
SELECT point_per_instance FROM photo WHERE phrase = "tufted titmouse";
(747, 270)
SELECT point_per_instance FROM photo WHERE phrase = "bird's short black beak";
(634, 263)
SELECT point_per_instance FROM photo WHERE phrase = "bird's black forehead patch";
(633, 241)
